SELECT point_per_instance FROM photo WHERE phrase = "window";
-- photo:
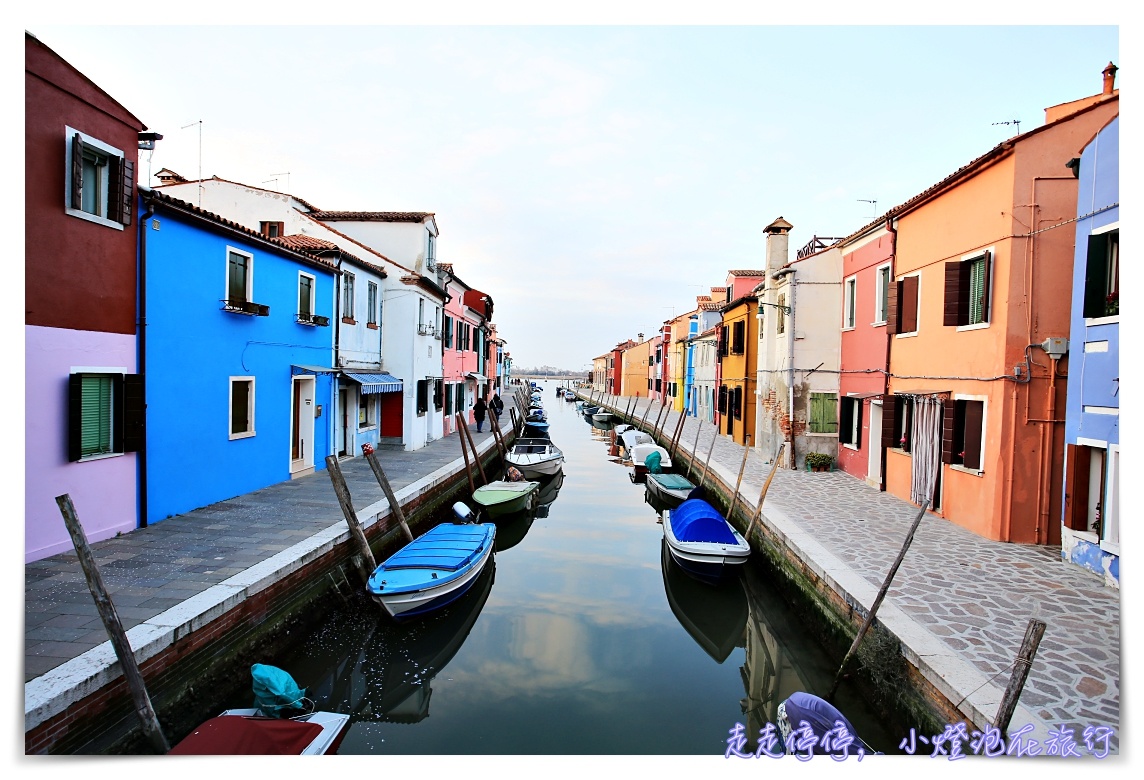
(422, 397)
(658, 385)
(272, 229)
(1102, 275)
(849, 295)
(348, 297)
(438, 394)
(241, 407)
(421, 312)
(101, 181)
(448, 332)
(738, 337)
(850, 422)
(967, 291)
(460, 405)
(898, 418)
(371, 303)
(366, 416)
(780, 319)
(722, 408)
(882, 295)
(823, 413)
(450, 393)
(239, 277)
(963, 444)
(305, 296)
(735, 401)
(105, 413)
(431, 254)
(903, 305)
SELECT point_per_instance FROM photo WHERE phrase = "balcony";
(426, 329)
(249, 308)
(314, 320)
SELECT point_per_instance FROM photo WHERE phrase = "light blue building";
(1090, 533)
(238, 348)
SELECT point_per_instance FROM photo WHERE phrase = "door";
(344, 444)
(302, 424)
(874, 444)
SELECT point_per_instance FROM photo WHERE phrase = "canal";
(581, 638)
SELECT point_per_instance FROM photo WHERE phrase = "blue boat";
(702, 542)
(434, 569)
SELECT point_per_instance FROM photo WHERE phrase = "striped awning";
(375, 383)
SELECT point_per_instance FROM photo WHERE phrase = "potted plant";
(818, 461)
(1112, 304)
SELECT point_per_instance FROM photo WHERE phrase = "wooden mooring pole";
(694, 449)
(364, 561)
(465, 452)
(763, 493)
(643, 419)
(878, 600)
(476, 455)
(394, 504)
(1033, 633)
(706, 463)
(739, 481)
(131, 674)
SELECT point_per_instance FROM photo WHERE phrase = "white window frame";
(1111, 318)
(103, 148)
(106, 371)
(249, 272)
(370, 411)
(230, 407)
(977, 255)
(849, 302)
(984, 399)
(855, 428)
(881, 291)
(349, 295)
(313, 289)
(372, 306)
(1110, 511)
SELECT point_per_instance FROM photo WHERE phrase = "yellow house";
(739, 354)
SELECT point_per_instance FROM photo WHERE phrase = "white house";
(800, 317)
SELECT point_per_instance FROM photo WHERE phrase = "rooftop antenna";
(1016, 122)
(275, 180)
(873, 202)
(200, 124)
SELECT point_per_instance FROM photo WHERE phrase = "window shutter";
(722, 399)
(77, 173)
(953, 294)
(126, 191)
(75, 416)
(974, 417)
(1094, 276)
(948, 417)
(858, 404)
(909, 305)
(1076, 486)
(985, 287)
(739, 329)
(846, 421)
(894, 291)
(889, 417)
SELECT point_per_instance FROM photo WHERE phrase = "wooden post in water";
(678, 432)
(1033, 633)
(131, 674)
(502, 447)
(628, 409)
(710, 449)
(694, 448)
(643, 419)
(739, 481)
(878, 600)
(465, 452)
(394, 504)
(655, 427)
(476, 455)
(365, 562)
(763, 494)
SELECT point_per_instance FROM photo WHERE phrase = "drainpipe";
(141, 354)
(893, 231)
(1047, 435)
(790, 364)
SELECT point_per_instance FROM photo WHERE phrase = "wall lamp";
(785, 309)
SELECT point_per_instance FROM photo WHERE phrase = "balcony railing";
(312, 319)
(249, 308)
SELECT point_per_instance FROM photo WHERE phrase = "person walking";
(497, 405)
(479, 413)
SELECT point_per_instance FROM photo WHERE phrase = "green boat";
(504, 498)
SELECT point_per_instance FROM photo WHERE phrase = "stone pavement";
(958, 599)
(156, 568)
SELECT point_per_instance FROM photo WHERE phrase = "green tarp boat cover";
(275, 690)
(652, 462)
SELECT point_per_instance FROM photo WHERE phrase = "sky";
(592, 179)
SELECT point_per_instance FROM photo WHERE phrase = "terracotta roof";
(702, 298)
(166, 200)
(446, 267)
(746, 273)
(299, 241)
(710, 306)
(373, 216)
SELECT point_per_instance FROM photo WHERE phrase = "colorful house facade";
(83, 402)
(1090, 528)
(738, 349)
(980, 317)
(634, 367)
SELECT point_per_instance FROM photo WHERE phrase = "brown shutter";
(908, 304)
(974, 417)
(956, 299)
(127, 188)
(948, 417)
(1076, 486)
(893, 324)
(133, 413)
(75, 415)
(76, 172)
(889, 415)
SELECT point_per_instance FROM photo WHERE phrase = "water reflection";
(714, 616)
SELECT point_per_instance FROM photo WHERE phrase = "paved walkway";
(964, 598)
(959, 603)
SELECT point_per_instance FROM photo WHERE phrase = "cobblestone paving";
(976, 595)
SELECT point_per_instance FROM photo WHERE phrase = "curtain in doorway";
(925, 448)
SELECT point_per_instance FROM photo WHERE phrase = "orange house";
(978, 317)
(635, 368)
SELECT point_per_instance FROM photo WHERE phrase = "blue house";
(238, 355)
(1090, 533)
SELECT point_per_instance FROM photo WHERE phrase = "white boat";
(536, 458)
(702, 542)
(639, 453)
(630, 437)
(602, 416)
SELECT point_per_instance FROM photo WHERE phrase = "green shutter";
(823, 413)
(977, 292)
(95, 410)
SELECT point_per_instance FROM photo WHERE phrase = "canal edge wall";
(87, 695)
(942, 682)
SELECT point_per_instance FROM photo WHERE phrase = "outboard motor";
(463, 513)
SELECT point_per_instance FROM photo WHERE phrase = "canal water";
(582, 637)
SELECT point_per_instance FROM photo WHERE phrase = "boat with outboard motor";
(535, 457)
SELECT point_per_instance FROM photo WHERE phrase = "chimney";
(777, 239)
(640, 337)
(1109, 78)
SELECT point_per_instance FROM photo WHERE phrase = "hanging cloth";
(925, 448)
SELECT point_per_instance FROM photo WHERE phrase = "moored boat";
(702, 542)
(246, 732)
(536, 457)
(434, 569)
(503, 497)
(670, 490)
(639, 453)
(602, 416)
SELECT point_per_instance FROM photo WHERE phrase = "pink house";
(462, 340)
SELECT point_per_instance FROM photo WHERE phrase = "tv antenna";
(874, 203)
(1016, 122)
(275, 180)
(200, 124)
